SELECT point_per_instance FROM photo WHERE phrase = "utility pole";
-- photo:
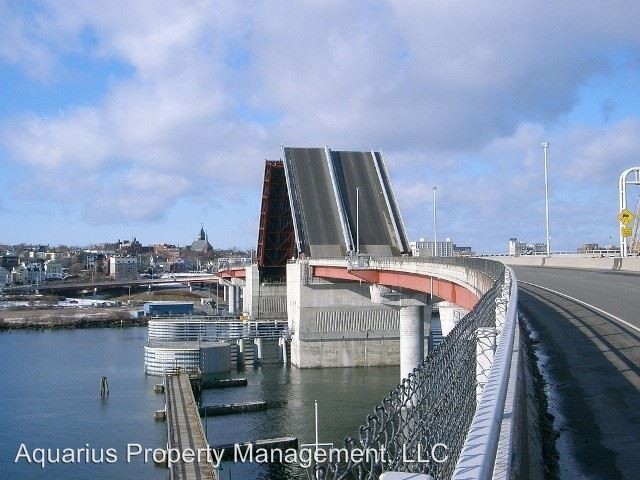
(545, 146)
(435, 235)
(357, 221)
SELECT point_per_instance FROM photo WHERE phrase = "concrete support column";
(450, 315)
(232, 299)
(485, 350)
(240, 359)
(246, 300)
(411, 339)
(258, 344)
(238, 293)
(224, 292)
(241, 302)
(283, 344)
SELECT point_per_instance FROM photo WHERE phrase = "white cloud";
(20, 46)
(136, 195)
(599, 154)
(72, 140)
(457, 94)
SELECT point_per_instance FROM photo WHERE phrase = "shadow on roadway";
(594, 381)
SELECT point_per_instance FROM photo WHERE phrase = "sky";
(146, 119)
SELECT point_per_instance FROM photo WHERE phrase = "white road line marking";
(618, 319)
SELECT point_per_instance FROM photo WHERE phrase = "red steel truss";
(276, 237)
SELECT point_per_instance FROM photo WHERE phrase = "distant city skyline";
(120, 120)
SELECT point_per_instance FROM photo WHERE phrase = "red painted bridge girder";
(445, 289)
(233, 273)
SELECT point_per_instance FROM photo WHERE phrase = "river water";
(49, 399)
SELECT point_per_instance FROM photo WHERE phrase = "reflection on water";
(49, 394)
(345, 396)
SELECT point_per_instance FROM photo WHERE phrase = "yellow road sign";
(626, 231)
(625, 217)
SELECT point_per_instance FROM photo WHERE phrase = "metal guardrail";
(431, 409)
(228, 263)
(164, 331)
(479, 456)
(587, 254)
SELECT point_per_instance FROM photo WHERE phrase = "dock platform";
(184, 429)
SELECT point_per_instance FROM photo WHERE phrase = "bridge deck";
(329, 189)
(185, 429)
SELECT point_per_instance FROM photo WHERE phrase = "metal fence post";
(485, 350)
(502, 302)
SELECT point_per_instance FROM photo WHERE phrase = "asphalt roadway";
(358, 170)
(319, 209)
(592, 363)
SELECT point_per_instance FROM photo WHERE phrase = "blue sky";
(148, 119)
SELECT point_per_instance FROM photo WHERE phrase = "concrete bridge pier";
(258, 343)
(232, 299)
(414, 309)
(411, 338)
(236, 295)
(282, 343)
(230, 296)
(240, 359)
(450, 314)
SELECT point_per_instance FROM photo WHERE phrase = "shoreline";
(50, 322)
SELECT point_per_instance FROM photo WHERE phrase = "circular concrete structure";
(210, 357)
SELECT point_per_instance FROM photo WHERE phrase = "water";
(49, 398)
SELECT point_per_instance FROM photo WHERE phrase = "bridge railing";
(188, 329)
(429, 415)
(487, 266)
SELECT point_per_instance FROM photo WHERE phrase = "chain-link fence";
(421, 426)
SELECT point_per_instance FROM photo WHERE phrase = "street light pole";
(357, 221)
(435, 235)
(545, 146)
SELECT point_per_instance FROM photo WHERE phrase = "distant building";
(53, 270)
(20, 275)
(157, 309)
(5, 276)
(201, 243)
(123, 268)
(588, 247)
(516, 247)
(426, 248)
(521, 248)
(144, 262)
(35, 272)
(177, 265)
(131, 247)
(28, 273)
(596, 248)
(9, 260)
(462, 251)
(89, 260)
(538, 247)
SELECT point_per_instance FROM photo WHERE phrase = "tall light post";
(435, 234)
(545, 147)
(357, 221)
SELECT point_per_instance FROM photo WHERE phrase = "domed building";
(201, 243)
